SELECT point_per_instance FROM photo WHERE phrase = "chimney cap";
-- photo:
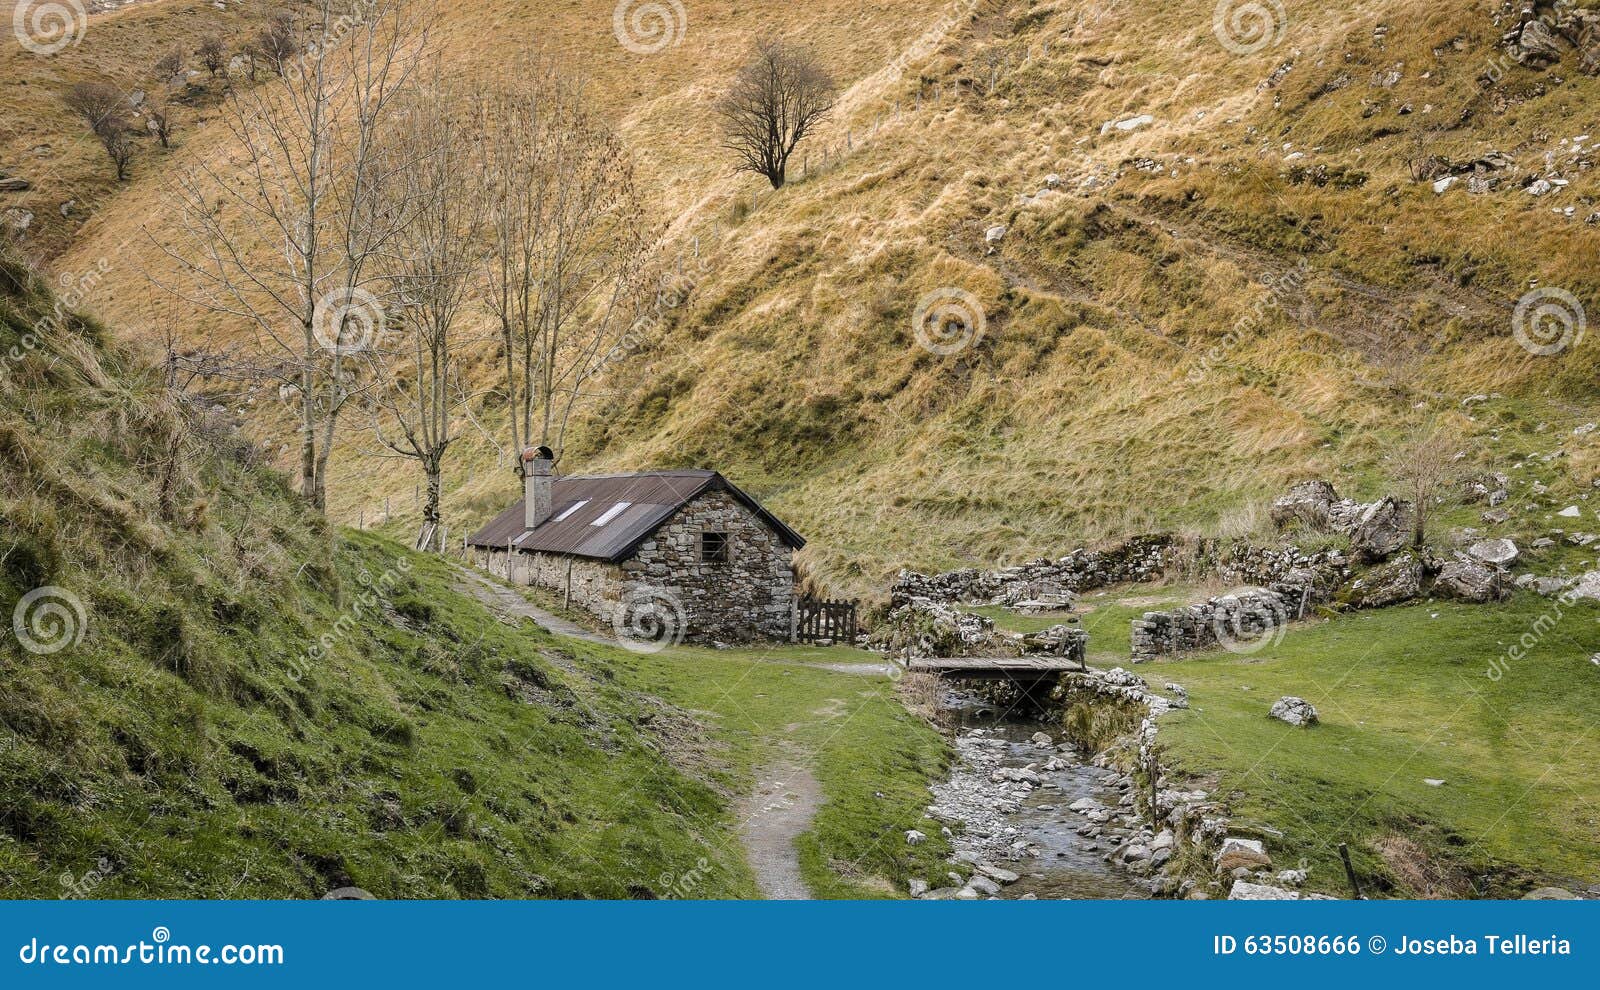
(540, 453)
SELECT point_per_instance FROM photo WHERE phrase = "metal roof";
(655, 497)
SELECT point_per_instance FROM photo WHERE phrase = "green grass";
(1403, 696)
(1107, 616)
(872, 758)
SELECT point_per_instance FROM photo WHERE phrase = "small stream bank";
(1008, 802)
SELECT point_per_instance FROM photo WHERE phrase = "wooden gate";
(817, 619)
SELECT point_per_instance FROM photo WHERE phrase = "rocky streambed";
(1009, 804)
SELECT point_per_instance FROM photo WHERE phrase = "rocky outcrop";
(1470, 580)
(1541, 33)
(1400, 580)
(1380, 530)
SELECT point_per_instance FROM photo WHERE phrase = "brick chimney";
(537, 479)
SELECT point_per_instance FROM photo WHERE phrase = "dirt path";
(779, 811)
(505, 601)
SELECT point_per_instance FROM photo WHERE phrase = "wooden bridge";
(1021, 669)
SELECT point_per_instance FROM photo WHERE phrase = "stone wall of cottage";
(749, 596)
(597, 587)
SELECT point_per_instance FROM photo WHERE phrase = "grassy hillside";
(1405, 697)
(1248, 288)
(230, 701)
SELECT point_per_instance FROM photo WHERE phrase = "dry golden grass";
(1133, 373)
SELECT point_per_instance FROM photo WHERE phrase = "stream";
(1023, 827)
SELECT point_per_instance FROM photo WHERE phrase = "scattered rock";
(1127, 124)
(1295, 711)
(1570, 512)
(1245, 891)
(1500, 553)
(915, 838)
(1433, 781)
(916, 887)
(1551, 894)
(14, 184)
(997, 874)
(1238, 853)
(1469, 580)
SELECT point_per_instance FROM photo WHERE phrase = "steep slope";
(1249, 280)
(205, 693)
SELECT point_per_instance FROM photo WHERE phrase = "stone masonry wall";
(597, 587)
(749, 596)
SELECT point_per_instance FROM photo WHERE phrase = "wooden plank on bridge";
(993, 666)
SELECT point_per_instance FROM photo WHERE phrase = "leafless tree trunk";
(283, 236)
(213, 53)
(430, 269)
(778, 98)
(566, 245)
(1425, 467)
(102, 108)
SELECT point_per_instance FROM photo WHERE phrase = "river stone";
(1084, 805)
(1239, 853)
(1041, 739)
(916, 887)
(967, 894)
(983, 885)
(1246, 891)
(997, 874)
(1297, 712)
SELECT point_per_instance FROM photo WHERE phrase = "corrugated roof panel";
(655, 496)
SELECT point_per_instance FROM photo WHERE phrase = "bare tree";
(284, 236)
(778, 98)
(566, 246)
(101, 106)
(1425, 468)
(171, 65)
(430, 268)
(158, 117)
(279, 41)
(213, 54)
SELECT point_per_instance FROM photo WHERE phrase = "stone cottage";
(719, 561)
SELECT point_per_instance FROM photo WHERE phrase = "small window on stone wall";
(714, 548)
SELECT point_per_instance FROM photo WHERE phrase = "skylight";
(612, 513)
(569, 510)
